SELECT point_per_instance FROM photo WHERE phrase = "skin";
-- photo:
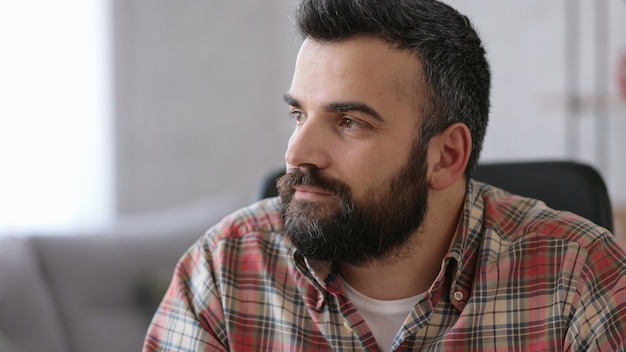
(357, 115)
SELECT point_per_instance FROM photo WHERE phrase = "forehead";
(356, 68)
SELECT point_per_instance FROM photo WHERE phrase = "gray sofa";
(94, 291)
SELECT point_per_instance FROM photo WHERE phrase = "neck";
(412, 269)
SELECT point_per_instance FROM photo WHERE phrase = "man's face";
(356, 186)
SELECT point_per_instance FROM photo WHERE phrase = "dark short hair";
(458, 79)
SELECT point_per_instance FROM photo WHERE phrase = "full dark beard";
(355, 232)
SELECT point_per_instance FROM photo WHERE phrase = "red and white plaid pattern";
(518, 277)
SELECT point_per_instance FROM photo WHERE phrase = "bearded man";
(380, 239)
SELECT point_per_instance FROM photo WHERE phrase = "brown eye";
(298, 116)
(347, 122)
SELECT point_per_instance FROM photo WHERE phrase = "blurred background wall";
(198, 98)
(196, 88)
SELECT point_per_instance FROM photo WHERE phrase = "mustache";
(314, 178)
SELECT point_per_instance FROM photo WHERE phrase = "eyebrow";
(339, 107)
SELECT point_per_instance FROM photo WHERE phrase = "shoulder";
(515, 217)
(250, 238)
(524, 231)
(259, 219)
(263, 216)
(515, 227)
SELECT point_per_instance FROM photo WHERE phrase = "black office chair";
(563, 185)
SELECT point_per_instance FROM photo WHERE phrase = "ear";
(448, 153)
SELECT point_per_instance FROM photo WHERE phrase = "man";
(380, 240)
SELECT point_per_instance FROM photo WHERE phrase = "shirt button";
(458, 295)
(346, 325)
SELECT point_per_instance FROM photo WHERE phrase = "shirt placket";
(353, 322)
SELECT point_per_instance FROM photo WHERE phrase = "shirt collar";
(317, 271)
(463, 253)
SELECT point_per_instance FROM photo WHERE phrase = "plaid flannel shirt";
(518, 277)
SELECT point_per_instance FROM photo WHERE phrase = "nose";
(308, 146)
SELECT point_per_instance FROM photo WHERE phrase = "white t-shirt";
(383, 317)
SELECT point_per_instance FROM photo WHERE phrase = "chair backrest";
(563, 185)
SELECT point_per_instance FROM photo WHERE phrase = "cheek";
(372, 169)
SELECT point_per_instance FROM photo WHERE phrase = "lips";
(310, 192)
